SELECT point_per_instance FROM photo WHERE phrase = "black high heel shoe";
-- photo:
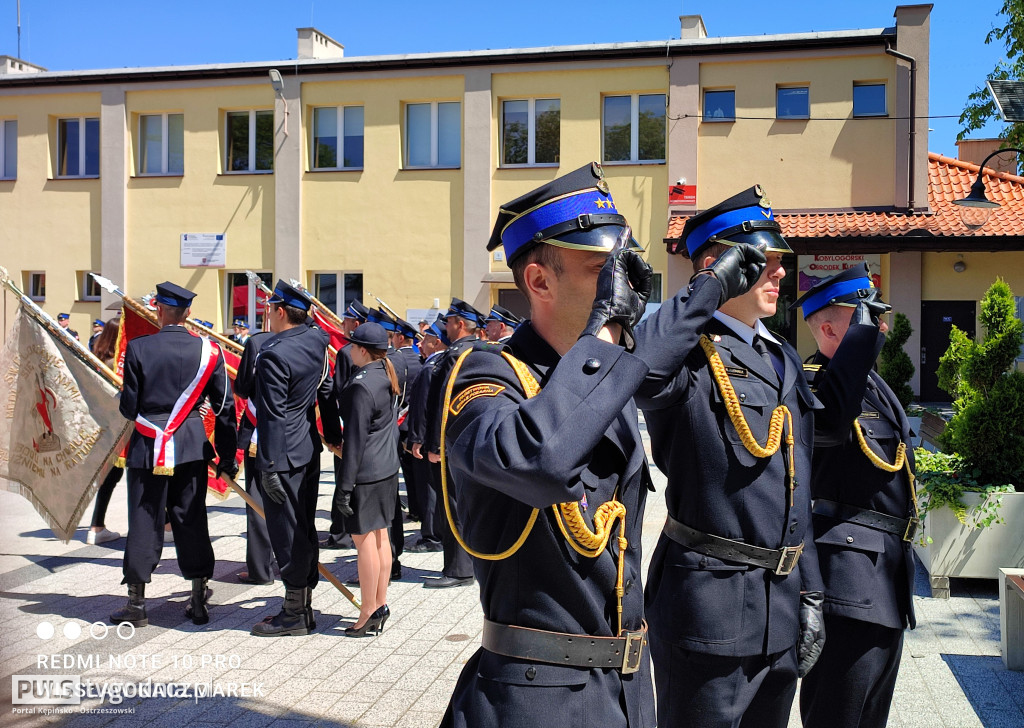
(372, 623)
(382, 615)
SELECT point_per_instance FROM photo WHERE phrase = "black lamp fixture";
(976, 208)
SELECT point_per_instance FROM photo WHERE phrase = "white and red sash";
(250, 413)
(163, 447)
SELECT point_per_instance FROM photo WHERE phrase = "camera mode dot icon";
(44, 631)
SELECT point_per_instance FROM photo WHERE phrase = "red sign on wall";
(682, 195)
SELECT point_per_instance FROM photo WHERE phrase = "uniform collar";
(747, 333)
(528, 345)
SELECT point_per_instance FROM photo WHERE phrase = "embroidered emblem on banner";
(477, 390)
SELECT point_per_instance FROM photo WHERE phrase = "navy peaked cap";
(846, 287)
(171, 294)
(746, 217)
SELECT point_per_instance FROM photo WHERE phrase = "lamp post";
(976, 208)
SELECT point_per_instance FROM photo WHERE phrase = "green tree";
(897, 369)
(980, 108)
(987, 429)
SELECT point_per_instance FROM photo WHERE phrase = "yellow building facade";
(381, 176)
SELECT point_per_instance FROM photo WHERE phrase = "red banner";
(338, 339)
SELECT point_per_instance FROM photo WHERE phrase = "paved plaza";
(51, 594)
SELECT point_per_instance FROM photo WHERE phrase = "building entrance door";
(937, 320)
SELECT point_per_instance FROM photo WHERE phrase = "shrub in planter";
(942, 480)
(987, 428)
(897, 369)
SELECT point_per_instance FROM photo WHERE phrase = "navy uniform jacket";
(412, 365)
(157, 369)
(868, 574)
(344, 368)
(716, 486)
(371, 435)
(432, 437)
(418, 394)
(245, 382)
(291, 378)
(507, 454)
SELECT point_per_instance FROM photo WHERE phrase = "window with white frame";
(249, 141)
(337, 137)
(433, 134)
(8, 148)
(161, 144)
(245, 300)
(337, 290)
(530, 131)
(634, 128)
(78, 147)
(35, 284)
(792, 102)
(88, 288)
(719, 105)
(869, 99)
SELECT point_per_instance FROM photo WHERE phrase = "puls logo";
(45, 689)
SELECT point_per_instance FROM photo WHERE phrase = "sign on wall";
(685, 195)
(203, 250)
(813, 268)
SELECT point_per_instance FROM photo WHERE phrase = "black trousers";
(292, 528)
(852, 683)
(337, 519)
(410, 474)
(259, 555)
(99, 512)
(709, 691)
(152, 500)
(457, 562)
(430, 528)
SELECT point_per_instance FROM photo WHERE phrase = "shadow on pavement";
(995, 693)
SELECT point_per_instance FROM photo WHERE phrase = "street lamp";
(976, 208)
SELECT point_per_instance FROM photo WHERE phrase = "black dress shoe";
(344, 541)
(246, 578)
(424, 546)
(352, 581)
(396, 571)
(446, 581)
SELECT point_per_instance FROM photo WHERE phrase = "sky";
(74, 34)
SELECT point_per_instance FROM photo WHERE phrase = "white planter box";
(974, 553)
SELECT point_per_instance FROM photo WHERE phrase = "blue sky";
(74, 34)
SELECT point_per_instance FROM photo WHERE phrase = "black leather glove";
(227, 467)
(738, 269)
(623, 287)
(343, 502)
(869, 309)
(812, 631)
(272, 487)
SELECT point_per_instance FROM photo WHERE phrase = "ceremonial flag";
(59, 426)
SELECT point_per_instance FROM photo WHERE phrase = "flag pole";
(193, 323)
(386, 307)
(77, 347)
(334, 318)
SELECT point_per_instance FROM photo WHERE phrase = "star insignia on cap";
(716, 338)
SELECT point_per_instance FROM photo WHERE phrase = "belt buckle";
(912, 525)
(787, 562)
(632, 652)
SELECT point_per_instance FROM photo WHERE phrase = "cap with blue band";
(171, 294)
(843, 288)
(288, 295)
(746, 217)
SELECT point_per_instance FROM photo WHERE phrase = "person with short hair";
(501, 324)
(549, 476)
(865, 507)
(291, 380)
(64, 320)
(167, 376)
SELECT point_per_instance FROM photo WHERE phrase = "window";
(325, 288)
(78, 147)
(792, 102)
(433, 134)
(338, 138)
(869, 99)
(88, 288)
(8, 149)
(250, 141)
(656, 286)
(162, 144)
(35, 284)
(634, 128)
(720, 105)
(245, 300)
(530, 131)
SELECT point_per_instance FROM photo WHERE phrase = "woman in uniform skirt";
(368, 479)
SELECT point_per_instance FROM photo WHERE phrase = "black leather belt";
(905, 528)
(781, 561)
(558, 648)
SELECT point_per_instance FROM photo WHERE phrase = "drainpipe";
(911, 202)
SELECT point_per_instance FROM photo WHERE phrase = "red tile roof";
(948, 180)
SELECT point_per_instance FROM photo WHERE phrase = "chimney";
(314, 44)
(692, 26)
(975, 151)
(9, 65)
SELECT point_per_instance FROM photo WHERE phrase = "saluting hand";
(869, 309)
(623, 287)
(738, 269)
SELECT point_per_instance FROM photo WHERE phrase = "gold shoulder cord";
(781, 419)
(901, 461)
(567, 515)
